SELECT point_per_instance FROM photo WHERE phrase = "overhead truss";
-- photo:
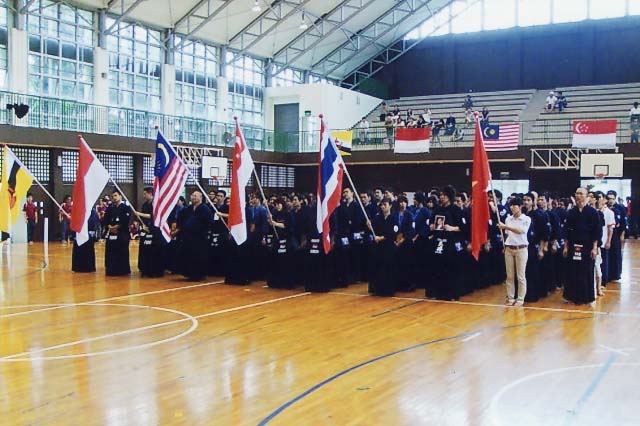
(398, 48)
(199, 16)
(278, 12)
(321, 28)
(557, 158)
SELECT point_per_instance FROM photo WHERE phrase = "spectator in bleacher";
(384, 111)
(450, 125)
(363, 128)
(389, 125)
(420, 122)
(395, 111)
(550, 102)
(485, 116)
(561, 102)
(468, 103)
(469, 117)
(426, 115)
(409, 114)
(634, 112)
(634, 123)
(438, 127)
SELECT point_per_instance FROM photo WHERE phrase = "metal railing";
(62, 114)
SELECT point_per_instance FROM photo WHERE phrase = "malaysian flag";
(503, 137)
(170, 175)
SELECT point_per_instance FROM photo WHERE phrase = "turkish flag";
(479, 199)
(594, 134)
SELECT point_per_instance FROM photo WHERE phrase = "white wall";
(342, 108)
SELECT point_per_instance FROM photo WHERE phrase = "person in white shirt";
(551, 101)
(602, 267)
(516, 253)
(364, 130)
(634, 113)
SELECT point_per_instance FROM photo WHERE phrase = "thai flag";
(170, 175)
(330, 171)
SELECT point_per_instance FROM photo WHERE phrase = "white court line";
(473, 336)
(14, 357)
(108, 299)
(494, 305)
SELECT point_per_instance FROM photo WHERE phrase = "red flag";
(479, 199)
(240, 176)
(91, 178)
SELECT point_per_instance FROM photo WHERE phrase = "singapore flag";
(594, 134)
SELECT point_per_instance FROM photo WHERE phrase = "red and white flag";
(240, 176)
(594, 134)
(91, 178)
(412, 141)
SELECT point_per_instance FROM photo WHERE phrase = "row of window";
(472, 16)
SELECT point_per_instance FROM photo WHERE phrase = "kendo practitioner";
(218, 235)
(349, 230)
(446, 275)
(470, 266)
(421, 242)
(116, 222)
(151, 252)
(371, 211)
(498, 214)
(607, 236)
(319, 276)
(242, 260)
(279, 271)
(172, 262)
(581, 249)
(561, 262)
(83, 258)
(548, 263)
(615, 252)
(405, 259)
(299, 238)
(193, 225)
(537, 236)
(383, 254)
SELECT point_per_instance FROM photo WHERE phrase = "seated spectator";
(550, 102)
(485, 116)
(468, 103)
(469, 117)
(384, 111)
(401, 123)
(420, 122)
(437, 128)
(450, 126)
(409, 114)
(561, 102)
(412, 123)
(395, 111)
(634, 113)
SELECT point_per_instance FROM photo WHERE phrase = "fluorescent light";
(256, 7)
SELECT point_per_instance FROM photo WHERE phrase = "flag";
(16, 181)
(169, 177)
(412, 141)
(594, 134)
(91, 178)
(330, 171)
(343, 139)
(240, 176)
(503, 137)
(479, 199)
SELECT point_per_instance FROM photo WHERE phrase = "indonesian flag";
(594, 134)
(91, 178)
(479, 198)
(240, 176)
(412, 141)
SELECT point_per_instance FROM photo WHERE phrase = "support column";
(18, 61)
(268, 74)
(101, 76)
(222, 92)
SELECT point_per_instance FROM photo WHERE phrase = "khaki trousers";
(516, 261)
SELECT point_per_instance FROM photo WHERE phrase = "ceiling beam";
(188, 25)
(323, 27)
(278, 12)
(123, 15)
(370, 35)
(398, 48)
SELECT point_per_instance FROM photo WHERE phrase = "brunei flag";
(343, 139)
(15, 183)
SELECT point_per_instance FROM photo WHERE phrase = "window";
(69, 166)
(277, 176)
(621, 186)
(4, 42)
(287, 77)
(467, 17)
(499, 14)
(147, 170)
(246, 82)
(60, 62)
(634, 7)
(534, 12)
(607, 9)
(569, 10)
(316, 79)
(196, 84)
(119, 166)
(135, 58)
(36, 160)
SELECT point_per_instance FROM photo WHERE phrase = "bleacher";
(504, 106)
(585, 103)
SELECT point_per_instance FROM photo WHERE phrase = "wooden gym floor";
(84, 349)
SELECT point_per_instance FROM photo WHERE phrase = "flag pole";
(360, 202)
(38, 183)
(126, 199)
(204, 193)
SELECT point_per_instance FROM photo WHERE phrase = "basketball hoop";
(599, 176)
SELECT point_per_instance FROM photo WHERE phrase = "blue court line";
(575, 412)
(336, 376)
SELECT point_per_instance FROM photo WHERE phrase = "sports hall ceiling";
(341, 36)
